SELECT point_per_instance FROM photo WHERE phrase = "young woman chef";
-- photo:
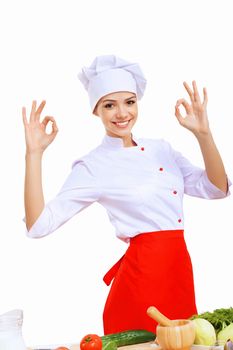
(140, 182)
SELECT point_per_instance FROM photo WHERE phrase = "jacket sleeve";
(77, 193)
(196, 182)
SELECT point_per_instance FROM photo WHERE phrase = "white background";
(57, 280)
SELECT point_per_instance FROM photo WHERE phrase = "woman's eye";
(108, 105)
(130, 102)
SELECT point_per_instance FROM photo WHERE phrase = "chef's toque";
(108, 74)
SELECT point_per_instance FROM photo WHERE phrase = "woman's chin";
(121, 133)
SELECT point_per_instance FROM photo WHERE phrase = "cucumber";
(129, 337)
(109, 345)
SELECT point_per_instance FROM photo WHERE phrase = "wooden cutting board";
(141, 346)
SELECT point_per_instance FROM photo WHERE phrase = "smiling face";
(118, 112)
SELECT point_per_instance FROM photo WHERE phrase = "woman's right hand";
(37, 139)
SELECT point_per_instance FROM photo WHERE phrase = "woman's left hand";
(196, 119)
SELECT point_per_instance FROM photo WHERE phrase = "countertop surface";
(141, 346)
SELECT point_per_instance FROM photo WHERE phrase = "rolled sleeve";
(78, 192)
(204, 188)
(196, 181)
(42, 226)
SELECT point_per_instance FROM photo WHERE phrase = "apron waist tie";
(108, 277)
(146, 237)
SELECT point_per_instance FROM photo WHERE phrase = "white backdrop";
(57, 280)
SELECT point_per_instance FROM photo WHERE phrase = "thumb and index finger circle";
(51, 119)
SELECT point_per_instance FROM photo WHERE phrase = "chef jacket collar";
(115, 142)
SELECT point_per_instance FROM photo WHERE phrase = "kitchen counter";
(142, 346)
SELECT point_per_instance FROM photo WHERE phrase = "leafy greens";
(220, 318)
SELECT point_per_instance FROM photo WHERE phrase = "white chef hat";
(108, 74)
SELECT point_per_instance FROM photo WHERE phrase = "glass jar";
(11, 331)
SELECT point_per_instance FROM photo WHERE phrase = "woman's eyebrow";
(129, 98)
(108, 100)
(112, 100)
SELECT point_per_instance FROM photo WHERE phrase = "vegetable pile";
(219, 318)
(222, 322)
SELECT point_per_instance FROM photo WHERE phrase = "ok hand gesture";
(196, 119)
(37, 140)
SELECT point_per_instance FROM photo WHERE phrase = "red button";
(160, 169)
(174, 192)
(179, 220)
(142, 148)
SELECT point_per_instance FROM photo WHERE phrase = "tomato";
(91, 342)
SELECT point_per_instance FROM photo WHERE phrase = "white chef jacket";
(141, 188)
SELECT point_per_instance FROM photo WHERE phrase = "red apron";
(156, 270)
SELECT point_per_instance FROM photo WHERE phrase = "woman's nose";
(122, 112)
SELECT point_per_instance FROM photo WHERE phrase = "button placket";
(172, 190)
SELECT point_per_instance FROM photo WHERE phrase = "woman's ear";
(95, 111)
